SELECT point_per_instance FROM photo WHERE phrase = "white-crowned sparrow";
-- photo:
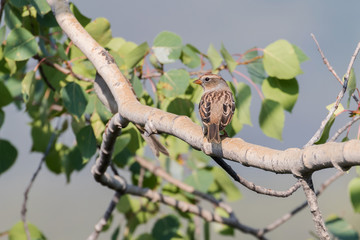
(216, 106)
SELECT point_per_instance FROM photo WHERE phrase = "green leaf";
(137, 86)
(181, 106)
(48, 20)
(41, 6)
(136, 141)
(126, 48)
(86, 142)
(72, 161)
(19, 3)
(243, 101)
(136, 55)
(100, 30)
(325, 133)
(256, 68)
(145, 236)
(167, 47)
(150, 180)
(54, 158)
(281, 61)
(11, 65)
(176, 147)
(272, 119)
(341, 229)
(2, 35)
(128, 204)
(121, 142)
(174, 82)
(8, 155)
(17, 232)
(339, 109)
(2, 117)
(74, 98)
(230, 62)
(351, 85)
(115, 43)
(121, 155)
(222, 228)
(300, 54)
(40, 134)
(226, 184)
(200, 180)
(214, 57)
(166, 228)
(190, 57)
(20, 45)
(285, 92)
(28, 87)
(6, 97)
(206, 230)
(81, 18)
(115, 234)
(354, 190)
(12, 17)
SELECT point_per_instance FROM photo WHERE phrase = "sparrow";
(216, 106)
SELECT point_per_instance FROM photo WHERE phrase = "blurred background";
(69, 211)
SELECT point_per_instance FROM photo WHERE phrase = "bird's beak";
(197, 81)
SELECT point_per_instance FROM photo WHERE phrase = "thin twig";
(46, 80)
(103, 221)
(252, 84)
(343, 129)
(326, 62)
(289, 215)
(158, 171)
(251, 185)
(27, 190)
(310, 194)
(318, 133)
(64, 70)
(352, 60)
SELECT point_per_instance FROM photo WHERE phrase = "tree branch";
(158, 171)
(251, 186)
(294, 161)
(100, 225)
(27, 190)
(119, 184)
(62, 69)
(318, 133)
(289, 215)
(309, 191)
(343, 129)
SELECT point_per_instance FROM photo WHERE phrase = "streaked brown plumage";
(216, 106)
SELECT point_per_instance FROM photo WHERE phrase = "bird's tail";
(213, 133)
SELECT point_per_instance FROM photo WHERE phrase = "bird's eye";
(207, 79)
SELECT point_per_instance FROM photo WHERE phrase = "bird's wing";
(228, 109)
(204, 108)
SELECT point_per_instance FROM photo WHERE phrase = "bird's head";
(211, 82)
